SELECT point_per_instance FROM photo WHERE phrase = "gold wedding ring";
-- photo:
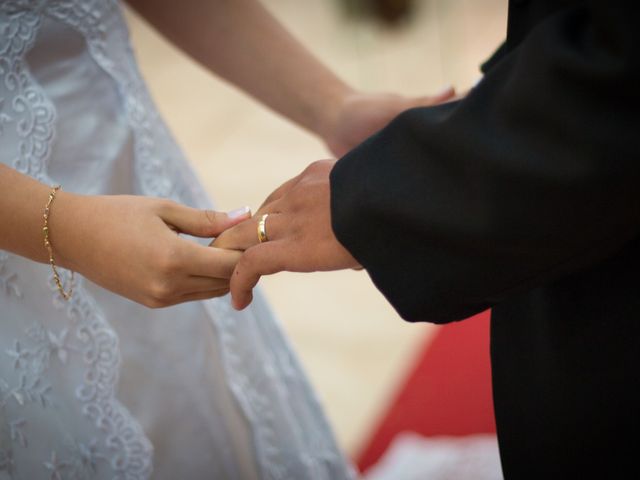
(262, 229)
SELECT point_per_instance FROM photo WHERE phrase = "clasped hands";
(298, 230)
(132, 245)
(298, 225)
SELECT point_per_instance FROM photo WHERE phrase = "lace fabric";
(60, 363)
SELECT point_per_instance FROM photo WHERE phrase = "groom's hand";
(360, 115)
(299, 234)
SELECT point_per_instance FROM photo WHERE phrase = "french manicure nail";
(238, 212)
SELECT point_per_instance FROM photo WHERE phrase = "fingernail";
(238, 212)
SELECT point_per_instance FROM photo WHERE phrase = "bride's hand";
(300, 237)
(130, 245)
(360, 115)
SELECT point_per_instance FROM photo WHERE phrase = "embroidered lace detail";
(162, 171)
(125, 449)
(93, 19)
(252, 375)
(161, 168)
(130, 450)
(32, 114)
(7, 463)
(26, 114)
(8, 280)
(30, 362)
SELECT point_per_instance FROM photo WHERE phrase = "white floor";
(354, 346)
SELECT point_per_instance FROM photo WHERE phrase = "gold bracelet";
(47, 244)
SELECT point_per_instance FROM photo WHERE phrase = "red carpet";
(448, 392)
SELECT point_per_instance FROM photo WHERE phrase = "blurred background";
(357, 352)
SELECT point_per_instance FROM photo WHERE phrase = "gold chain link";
(47, 244)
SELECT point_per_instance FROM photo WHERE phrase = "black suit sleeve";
(535, 174)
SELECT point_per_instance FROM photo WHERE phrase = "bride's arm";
(126, 244)
(21, 209)
(240, 41)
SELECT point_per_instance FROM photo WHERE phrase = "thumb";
(203, 223)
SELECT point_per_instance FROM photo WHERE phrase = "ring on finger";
(262, 229)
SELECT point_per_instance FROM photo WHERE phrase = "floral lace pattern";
(125, 450)
(31, 113)
(30, 361)
(84, 337)
(8, 280)
(317, 454)
(95, 19)
(246, 373)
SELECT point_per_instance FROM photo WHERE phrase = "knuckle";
(310, 169)
(249, 258)
(164, 205)
(319, 165)
(168, 260)
(271, 198)
(209, 217)
(160, 290)
(222, 240)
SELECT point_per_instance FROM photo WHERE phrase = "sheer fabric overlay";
(100, 387)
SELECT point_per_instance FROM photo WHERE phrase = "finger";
(195, 284)
(264, 259)
(201, 223)
(209, 262)
(192, 297)
(245, 234)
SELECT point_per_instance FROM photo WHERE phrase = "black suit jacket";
(524, 197)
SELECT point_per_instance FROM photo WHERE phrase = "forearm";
(532, 177)
(241, 42)
(105, 238)
(21, 208)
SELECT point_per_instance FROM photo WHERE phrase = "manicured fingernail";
(238, 212)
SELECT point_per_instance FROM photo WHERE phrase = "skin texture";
(300, 236)
(128, 244)
(362, 114)
(299, 232)
(260, 57)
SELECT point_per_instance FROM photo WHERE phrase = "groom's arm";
(535, 174)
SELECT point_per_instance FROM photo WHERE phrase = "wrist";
(65, 220)
(331, 110)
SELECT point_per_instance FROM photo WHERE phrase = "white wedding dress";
(100, 387)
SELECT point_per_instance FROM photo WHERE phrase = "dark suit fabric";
(524, 197)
